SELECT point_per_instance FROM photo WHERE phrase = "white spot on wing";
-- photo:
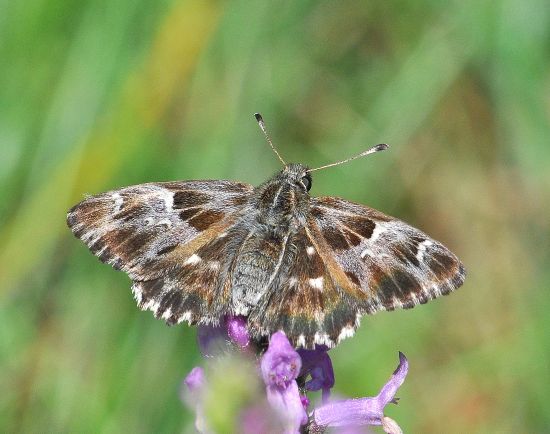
(436, 292)
(186, 316)
(422, 249)
(396, 302)
(347, 332)
(118, 201)
(317, 283)
(164, 222)
(214, 265)
(136, 289)
(193, 259)
(301, 342)
(378, 230)
(241, 309)
(152, 304)
(310, 250)
(323, 339)
(167, 313)
(168, 198)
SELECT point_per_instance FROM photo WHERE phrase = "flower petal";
(363, 411)
(280, 364)
(388, 391)
(288, 404)
(318, 365)
(195, 379)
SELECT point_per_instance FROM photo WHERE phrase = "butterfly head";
(297, 174)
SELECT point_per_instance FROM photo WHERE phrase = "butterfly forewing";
(392, 263)
(157, 233)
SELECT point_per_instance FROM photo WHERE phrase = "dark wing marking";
(391, 263)
(168, 237)
(304, 300)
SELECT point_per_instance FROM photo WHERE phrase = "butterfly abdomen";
(256, 265)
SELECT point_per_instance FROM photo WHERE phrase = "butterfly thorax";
(282, 202)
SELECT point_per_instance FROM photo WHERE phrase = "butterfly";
(309, 266)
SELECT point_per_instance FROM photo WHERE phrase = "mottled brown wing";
(172, 238)
(350, 260)
(386, 263)
(305, 300)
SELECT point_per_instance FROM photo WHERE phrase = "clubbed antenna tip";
(261, 123)
(377, 148)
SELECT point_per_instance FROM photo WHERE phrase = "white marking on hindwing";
(241, 309)
(292, 281)
(322, 339)
(316, 283)
(301, 341)
(347, 332)
(214, 265)
(310, 250)
(193, 259)
(119, 200)
(185, 316)
(422, 249)
(396, 302)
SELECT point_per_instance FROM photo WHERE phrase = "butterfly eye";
(306, 182)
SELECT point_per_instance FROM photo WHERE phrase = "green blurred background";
(100, 94)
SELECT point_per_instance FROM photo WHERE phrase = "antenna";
(377, 148)
(261, 123)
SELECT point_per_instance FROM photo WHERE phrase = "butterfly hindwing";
(391, 263)
(157, 233)
(305, 300)
(197, 289)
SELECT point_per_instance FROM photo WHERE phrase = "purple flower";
(237, 330)
(259, 418)
(191, 395)
(365, 411)
(318, 365)
(215, 340)
(195, 379)
(280, 366)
